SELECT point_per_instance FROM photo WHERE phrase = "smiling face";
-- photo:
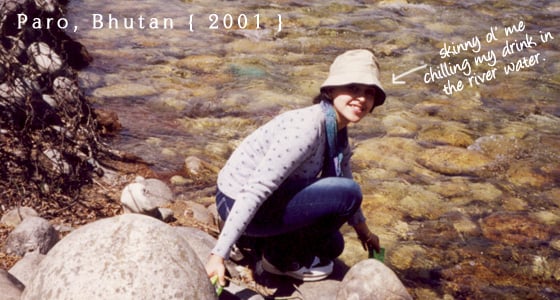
(352, 102)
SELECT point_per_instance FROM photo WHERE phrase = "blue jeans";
(301, 219)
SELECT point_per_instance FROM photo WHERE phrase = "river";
(460, 168)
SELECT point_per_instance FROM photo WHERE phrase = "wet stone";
(448, 133)
(124, 90)
(523, 175)
(201, 63)
(454, 160)
(514, 229)
(400, 125)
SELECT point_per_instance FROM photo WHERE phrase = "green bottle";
(380, 256)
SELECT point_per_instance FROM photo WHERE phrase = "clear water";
(489, 234)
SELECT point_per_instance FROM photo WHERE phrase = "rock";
(201, 242)
(47, 5)
(24, 269)
(50, 100)
(165, 214)
(10, 287)
(107, 121)
(513, 229)
(555, 243)
(124, 90)
(371, 279)
(400, 125)
(247, 70)
(14, 217)
(407, 257)
(179, 180)
(550, 218)
(353, 250)
(168, 152)
(195, 166)
(498, 147)
(394, 154)
(450, 160)
(213, 211)
(514, 204)
(44, 57)
(553, 196)
(33, 234)
(200, 213)
(485, 192)
(65, 88)
(187, 212)
(56, 161)
(447, 133)
(14, 92)
(145, 196)
(201, 63)
(464, 225)
(419, 203)
(523, 175)
(124, 257)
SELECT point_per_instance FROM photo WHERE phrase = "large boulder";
(371, 279)
(11, 288)
(200, 241)
(24, 269)
(130, 256)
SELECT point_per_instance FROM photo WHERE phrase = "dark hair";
(322, 96)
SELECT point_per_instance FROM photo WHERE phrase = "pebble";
(179, 180)
(124, 90)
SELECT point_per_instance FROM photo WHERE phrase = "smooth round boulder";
(10, 287)
(373, 280)
(130, 256)
(200, 241)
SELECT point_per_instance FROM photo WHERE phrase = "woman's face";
(352, 102)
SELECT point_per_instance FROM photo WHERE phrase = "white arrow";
(396, 78)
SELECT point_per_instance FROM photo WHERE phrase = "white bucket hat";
(356, 66)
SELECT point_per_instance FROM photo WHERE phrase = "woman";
(289, 183)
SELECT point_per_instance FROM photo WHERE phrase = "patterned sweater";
(292, 145)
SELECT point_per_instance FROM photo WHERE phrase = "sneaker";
(318, 270)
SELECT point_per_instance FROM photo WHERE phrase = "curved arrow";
(396, 78)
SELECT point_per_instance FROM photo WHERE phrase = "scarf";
(335, 144)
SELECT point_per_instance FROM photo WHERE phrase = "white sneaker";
(317, 271)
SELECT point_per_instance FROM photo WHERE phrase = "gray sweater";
(292, 145)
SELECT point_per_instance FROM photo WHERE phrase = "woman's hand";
(368, 239)
(216, 266)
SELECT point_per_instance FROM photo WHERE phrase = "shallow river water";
(460, 168)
